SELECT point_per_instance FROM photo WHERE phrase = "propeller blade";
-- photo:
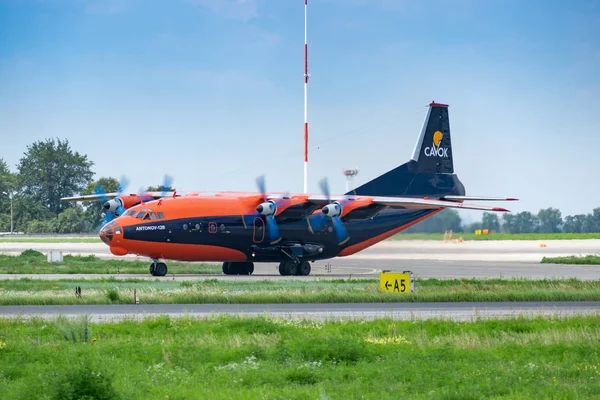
(273, 228)
(262, 188)
(167, 181)
(340, 230)
(324, 185)
(338, 224)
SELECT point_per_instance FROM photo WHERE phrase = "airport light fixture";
(11, 210)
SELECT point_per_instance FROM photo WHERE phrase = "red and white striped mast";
(305, 101)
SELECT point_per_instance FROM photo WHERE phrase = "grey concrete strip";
(401, 311)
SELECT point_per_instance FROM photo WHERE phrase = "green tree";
(8, 186)
(447, 219)
(490, 221)
(50, 170)
(527, 222)
(574, 223)
(159, 188)
(72, 220)
(94, 213)
(509, 223)
(550, 220)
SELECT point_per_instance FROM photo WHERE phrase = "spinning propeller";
(113, 207)
(268, 209)
(333, 210)
(116, 207)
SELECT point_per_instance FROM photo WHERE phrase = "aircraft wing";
(94, 197)
(406, 202)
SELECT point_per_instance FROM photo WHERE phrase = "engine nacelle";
(332, 210)
(267, 208)
(113, 205)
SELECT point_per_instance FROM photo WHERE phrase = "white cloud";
(244, 10)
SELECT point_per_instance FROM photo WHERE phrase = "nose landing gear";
(158, 268)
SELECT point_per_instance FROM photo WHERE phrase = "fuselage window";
(140, 215)
(198, 226)
(161, 215)
(212, 227)
(185, 227)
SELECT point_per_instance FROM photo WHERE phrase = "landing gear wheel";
(160, 269)
(227, 268)
(249, 268)
(287, 268)
(304, 268)
(238, 268)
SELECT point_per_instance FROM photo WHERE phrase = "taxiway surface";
(426, 259)
(398, 311)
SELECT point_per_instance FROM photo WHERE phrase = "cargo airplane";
(239, 229)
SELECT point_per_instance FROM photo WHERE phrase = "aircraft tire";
(303, 269)
(227, 268)
(287, 268)
(249, 268)
(160, 269)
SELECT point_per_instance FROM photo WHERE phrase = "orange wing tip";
(500, 209)
(118, 251)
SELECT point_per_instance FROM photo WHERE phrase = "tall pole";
(11, 214)
(305, 100)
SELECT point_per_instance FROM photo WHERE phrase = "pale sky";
(211, 92)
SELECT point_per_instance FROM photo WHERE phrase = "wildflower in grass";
(389, 340)
(2, 345)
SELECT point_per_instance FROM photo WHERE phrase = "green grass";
(212, 291)
(584, 260)
(33, 262)
(497, 236)
(265, 358)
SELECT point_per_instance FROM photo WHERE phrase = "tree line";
(50, 170)
(548, 220)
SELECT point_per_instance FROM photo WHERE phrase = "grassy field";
(264, 358)
(400, 236)
(211, 291)
(583, 260)
(33, 262)
(497, 236)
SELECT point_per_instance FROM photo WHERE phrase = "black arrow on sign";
(387, 285)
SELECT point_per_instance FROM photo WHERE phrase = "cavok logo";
(436, 150)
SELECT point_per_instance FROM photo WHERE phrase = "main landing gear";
(238, 268)
(158, 269)
(292, 267)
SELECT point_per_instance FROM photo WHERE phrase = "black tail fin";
(433, 151)
(430, 172)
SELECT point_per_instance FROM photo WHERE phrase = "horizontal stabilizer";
(406, 202)
(477, 198)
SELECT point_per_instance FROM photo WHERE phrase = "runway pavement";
(397, 311)
(427, 259)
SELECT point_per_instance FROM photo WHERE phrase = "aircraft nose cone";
(109, 231)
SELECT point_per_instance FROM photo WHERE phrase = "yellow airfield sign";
(396, 282)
